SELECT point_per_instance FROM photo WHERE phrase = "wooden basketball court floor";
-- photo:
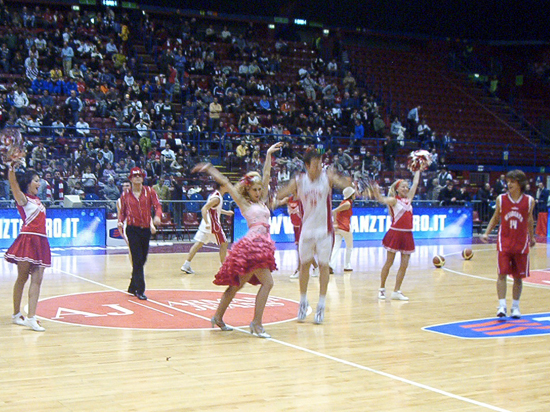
(369, 355)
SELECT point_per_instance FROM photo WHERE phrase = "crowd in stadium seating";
(67, 74)
(98, 93)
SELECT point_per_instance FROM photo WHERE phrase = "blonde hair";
(246, 182)
(392, 192)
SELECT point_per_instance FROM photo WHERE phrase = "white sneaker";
(319, 315)
(315, 273)
(18, 319)
(296, 274)
(34, 324)
(516, 314)
(398, 296)
(382, 294)
(302, 311)
(187, 269)
(501, 312)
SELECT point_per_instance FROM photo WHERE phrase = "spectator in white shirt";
(142, 128)
(129, 79)
(82, 128)
(20, 100)
(110, 49)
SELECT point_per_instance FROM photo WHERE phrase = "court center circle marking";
(339, 360)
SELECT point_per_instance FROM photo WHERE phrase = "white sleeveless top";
(213, 215)
(317, 205)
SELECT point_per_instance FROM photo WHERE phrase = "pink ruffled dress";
(256, 250)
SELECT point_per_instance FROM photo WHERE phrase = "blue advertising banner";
(64, 227)
(372, 223)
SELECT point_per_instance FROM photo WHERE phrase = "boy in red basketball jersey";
(514, 211)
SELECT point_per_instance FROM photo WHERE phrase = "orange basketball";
(438, 261)
(467, 254)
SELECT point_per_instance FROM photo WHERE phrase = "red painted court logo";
(165, 309)
(541, 277)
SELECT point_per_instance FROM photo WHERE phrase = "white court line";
(149, 307)
(325, 356)
(525, 282)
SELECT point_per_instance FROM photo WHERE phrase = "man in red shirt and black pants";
(135, 209)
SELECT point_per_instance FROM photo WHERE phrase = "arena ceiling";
(481, 19)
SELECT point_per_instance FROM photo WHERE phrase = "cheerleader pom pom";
(419, 160)
(12, 148)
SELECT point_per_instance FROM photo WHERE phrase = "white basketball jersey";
(317, 205)
(213, 215)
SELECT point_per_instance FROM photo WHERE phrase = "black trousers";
(138, 241)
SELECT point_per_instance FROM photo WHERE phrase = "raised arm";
(224, 181)
(289, 189)
(18, 195)
(389, 201)
(267, 169)
(213, 202)
(337, 180)
(416, 181)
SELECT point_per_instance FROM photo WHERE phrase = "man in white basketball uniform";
(314, 190)
(210, 230)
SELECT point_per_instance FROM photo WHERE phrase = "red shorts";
(513, 264)
(297, 232)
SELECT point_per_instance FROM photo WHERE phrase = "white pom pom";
(419, 160)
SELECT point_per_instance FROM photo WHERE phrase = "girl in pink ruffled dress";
(252, 258)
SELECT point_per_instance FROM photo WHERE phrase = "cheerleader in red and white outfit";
(31, 250)
(399, 237)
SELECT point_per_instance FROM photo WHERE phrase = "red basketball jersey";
(343, 217)
(294, 207)
(513, 233)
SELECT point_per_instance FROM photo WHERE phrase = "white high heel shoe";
(220, 324)
(259, 331)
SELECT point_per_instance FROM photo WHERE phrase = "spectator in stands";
(167, 156)
(89, 180)
(82, 128)
(162, 189)
(32, 71)
(309, 85)
(33, 124)
(389, 150)
(379, 126)
(423, 134)
(67, 54)
(541, 197)
(74, 106)
(215, 110)
(434, 188)
(449, 195)
(121, 169)
(111, 191)
(59, 187)
(412, 119)
(332, 68)
(5, 57)
(501, 186)
(349, 82)
(20, 101)
(39, 154)
(444, 175)
(464, 195)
